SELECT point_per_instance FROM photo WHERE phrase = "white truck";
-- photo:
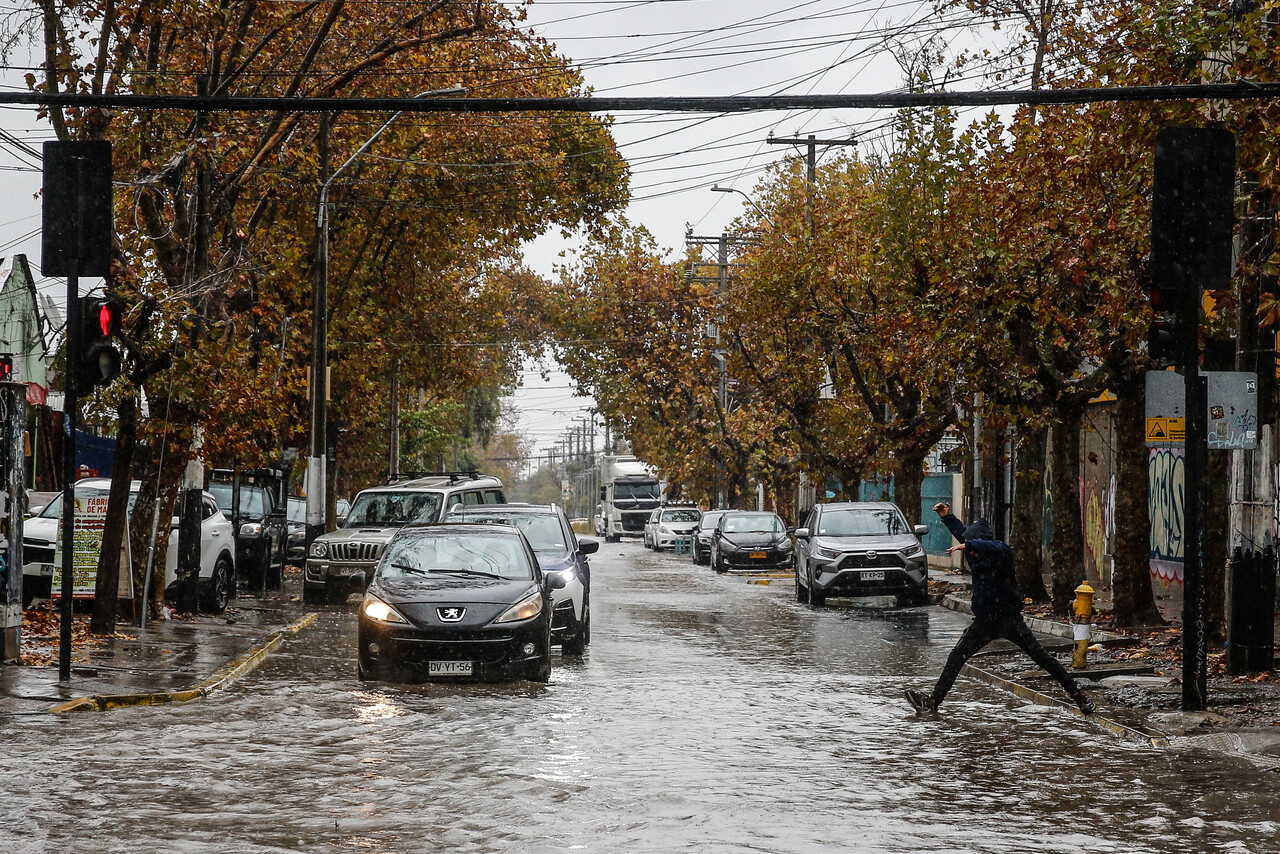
(629, 492)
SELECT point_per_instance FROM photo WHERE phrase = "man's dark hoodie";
(995, 588)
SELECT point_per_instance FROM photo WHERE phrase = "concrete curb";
(1030, 694)
(219, 680)
(1038, 624)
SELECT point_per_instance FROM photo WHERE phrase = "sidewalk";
(174, 660)
(1135, 678)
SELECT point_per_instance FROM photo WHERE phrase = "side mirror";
(921, 530)
(554, 581)
(716, 534)
(791, 532)
(588, 546)
(800, 533)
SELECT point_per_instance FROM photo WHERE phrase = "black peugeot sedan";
(457, 602)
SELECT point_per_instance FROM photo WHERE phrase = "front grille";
(744, 558)
(634, 521)
(355, 551)
(463, 646)
(37, 554)
(882, 560)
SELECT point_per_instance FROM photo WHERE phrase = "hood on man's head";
(979, 530)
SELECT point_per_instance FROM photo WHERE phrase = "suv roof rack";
(454, 476)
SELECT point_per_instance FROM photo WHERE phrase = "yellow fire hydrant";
(1083, 609)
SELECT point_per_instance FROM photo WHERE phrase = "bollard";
(1083, 610)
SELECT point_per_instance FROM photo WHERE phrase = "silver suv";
(860, 548)
(342, 562)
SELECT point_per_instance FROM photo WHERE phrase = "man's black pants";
(982, 632)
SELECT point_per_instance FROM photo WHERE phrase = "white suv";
(342, 562)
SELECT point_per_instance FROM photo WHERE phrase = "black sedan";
(747, 540)
(457, 602)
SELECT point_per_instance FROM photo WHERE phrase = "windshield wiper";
(417, 570)
(457, 570)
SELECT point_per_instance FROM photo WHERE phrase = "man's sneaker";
(1082, 700)
(920, 702)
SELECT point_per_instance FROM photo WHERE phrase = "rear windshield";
(253, 499)
(680, 515)
(543, 531)
(393, 509)
(416, 554)
(709, 519)
(753, 523)
(53, 509)
(861, 522)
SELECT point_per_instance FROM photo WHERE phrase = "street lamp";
(315, 480)
(716, 188)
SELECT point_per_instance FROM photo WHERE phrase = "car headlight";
(568, 575)
(375, 609)
(525, 609)
(727, 545)
(912, 550)
(785, 546)
(319, 549)
(823, 551)
(662, 529)
(251, 529)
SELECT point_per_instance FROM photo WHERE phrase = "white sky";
(649, 48)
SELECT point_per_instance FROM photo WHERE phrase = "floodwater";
(709, 715)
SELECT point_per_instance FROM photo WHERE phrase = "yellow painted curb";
(221, 678)
(1034, 696)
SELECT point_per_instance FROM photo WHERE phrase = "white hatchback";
(666, 524)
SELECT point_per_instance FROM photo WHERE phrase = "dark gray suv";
(860, 548)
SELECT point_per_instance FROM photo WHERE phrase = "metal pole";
(69, 404)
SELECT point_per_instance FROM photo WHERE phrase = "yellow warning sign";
(1166, 430)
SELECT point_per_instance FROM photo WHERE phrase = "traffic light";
(6, 369)
(1164, 334)
(99, 361)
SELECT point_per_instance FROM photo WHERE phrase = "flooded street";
(708, 715)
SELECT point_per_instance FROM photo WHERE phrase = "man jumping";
(997, 612)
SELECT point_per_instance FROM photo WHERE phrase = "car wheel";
(215, 593)
(718, 563)
(541, 671)
(361, 673)
(802, 595)
(816, 598)
(577, 643)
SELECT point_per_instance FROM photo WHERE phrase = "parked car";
(342, 562)
(750, 540)
(262, 529)
(295, 551)
(559, 551)
(702, 536)
(456, 602)
(860, 548)
(667, 523)
(217, 561)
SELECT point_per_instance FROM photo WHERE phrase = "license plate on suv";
(872, 575)
(448, 668)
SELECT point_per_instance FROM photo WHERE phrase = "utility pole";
(811, 172)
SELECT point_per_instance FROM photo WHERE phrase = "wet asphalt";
(708, 715)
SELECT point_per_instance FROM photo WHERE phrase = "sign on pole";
(1231, 410)
(91, 517)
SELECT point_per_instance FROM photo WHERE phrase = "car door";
(805, 546)
(215, 535)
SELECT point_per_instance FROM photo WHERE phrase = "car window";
(253, 499)
(412, 555)
(493, 496)
(209, 508)
(53, 509)
(709, 520)
(753, 523)
(296, 510)
(471, 499)
(861, 522)
(543, 530)
(680, 515)
(393, 509)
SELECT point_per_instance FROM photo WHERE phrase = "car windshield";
(709, 519)
(53, 509)
(753, 523)
(415, 554)
(543, 530)
(392, 509)
(680, 515)
(635, 490)
(861, 522)
(252, 498)
(297, 510)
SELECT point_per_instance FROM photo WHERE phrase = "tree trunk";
(908, 478)
(106, 588)
(1066, 552)
(1027, 536)
(1133, 601)
(160, 474)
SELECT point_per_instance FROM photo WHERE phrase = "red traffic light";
(108, 318)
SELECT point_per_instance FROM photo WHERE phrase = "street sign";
(1232, 409)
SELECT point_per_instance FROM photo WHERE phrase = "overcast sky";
(649, 48)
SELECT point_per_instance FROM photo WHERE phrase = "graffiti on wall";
(1099, 510)
(1165, 479)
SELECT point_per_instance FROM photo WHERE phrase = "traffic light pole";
(69, 404)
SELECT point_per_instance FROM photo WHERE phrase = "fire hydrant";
(1083, 610)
